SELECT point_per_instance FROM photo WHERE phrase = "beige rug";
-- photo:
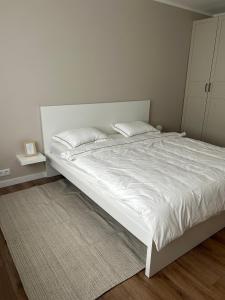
(64, 246)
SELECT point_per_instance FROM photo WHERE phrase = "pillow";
(76, 137)
(133, 128)
(57, 148)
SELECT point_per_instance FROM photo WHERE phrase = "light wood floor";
(200, 274)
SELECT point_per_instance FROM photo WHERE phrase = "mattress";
(170, 182)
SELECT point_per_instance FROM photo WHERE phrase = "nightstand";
(28, 160)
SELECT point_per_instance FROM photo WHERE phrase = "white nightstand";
(28, 160)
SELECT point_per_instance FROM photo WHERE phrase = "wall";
(81, 51)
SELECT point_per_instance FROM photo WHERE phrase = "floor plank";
(27, 185)
(13, 285)
(200, 274)
(6, 291)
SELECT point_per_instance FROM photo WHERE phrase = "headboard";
(100, 115)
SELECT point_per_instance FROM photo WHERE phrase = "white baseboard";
(22, 179)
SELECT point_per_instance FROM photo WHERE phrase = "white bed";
(55, 119)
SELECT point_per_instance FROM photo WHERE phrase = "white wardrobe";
(204, 104)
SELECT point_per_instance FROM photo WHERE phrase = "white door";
(199, 71)
(214, 125)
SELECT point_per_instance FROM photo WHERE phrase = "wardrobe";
(204, 103)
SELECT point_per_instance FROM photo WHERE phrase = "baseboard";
(22, 179)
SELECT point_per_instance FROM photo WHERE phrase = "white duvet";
(172, 182)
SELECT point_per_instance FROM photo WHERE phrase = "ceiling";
(209, 7)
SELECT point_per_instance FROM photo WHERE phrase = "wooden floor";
(200, 274)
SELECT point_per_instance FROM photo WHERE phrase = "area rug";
(64, 246)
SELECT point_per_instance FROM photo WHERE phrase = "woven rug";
(64, 246)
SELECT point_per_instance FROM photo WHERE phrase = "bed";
(95, 179)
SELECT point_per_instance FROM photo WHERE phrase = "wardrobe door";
(199, 70)
(214, 126)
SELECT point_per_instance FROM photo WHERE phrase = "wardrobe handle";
(206, 87)
(209, 88)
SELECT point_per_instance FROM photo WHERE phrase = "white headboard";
(100, 115)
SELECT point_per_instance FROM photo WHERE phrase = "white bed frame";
(57, 118)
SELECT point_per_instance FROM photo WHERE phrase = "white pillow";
(133, 128)
(76, 137)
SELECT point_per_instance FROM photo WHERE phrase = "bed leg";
(148, 261)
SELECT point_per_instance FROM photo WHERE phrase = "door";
(199, 71)
(214, 125)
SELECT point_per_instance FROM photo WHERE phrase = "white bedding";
(171, 182)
